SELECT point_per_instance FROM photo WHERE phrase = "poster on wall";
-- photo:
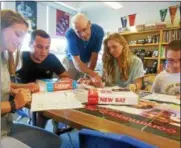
(62, 23)
(29, 11)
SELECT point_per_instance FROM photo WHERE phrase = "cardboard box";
(49, 85)
(112, 96)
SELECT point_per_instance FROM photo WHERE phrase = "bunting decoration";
(163, 13)
(172, 10)
(124, 21)
(132, 19)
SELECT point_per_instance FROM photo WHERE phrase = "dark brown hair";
(173, 46)
(40, 33)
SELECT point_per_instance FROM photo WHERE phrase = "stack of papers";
(54, 100)
(162, 98)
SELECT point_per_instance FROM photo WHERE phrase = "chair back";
(34, 137)
(95, 139)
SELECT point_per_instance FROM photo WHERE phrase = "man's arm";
(17, 85)
(33, 87)
(80, 66)
(93, 60)
(64, 75)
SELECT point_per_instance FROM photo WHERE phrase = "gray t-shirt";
(6, 119)
(136, 71)
(167, 83)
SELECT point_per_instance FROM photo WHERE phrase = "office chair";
(95, 139)
(34, 137)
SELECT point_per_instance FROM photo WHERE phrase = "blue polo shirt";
(84, 49)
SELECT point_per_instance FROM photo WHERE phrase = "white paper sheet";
(162, 97)
(54, 100)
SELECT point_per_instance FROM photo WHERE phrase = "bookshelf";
(163, 37)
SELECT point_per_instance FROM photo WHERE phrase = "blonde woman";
(13, 30)
(120, 66)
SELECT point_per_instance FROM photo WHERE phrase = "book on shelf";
(170, 35)
(162, 52)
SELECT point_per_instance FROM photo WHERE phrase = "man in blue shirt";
(84, 42)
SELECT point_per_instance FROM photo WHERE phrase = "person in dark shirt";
(40, 64)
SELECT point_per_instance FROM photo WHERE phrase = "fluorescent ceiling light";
(114, 5)
(65, 5)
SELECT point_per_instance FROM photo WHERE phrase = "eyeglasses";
(84, 29)
(172, 61)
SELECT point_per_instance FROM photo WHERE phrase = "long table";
(149, 130)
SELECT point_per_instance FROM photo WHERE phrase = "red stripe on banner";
(92, 97)
(172, 10)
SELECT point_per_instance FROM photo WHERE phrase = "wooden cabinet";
(151, 41)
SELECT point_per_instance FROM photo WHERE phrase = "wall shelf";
(150, 58)
(134, 36)
(162, 58)
(164, 43)
(141, 32)
(140, 45)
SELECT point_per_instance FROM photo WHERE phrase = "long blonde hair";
(9, 18)
(13, 62)
(108, 59)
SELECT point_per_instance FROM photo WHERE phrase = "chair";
(22, 114)
(34, 137)
(95, 139)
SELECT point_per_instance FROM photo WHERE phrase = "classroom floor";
(69, 139)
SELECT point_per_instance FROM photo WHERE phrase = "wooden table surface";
(78, 119)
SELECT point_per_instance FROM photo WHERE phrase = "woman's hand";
(17, 90)
(132, 87)
(22, 97)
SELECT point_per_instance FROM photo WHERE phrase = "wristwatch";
(13, 106)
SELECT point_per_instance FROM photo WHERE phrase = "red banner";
(172, 10)
(132, 19)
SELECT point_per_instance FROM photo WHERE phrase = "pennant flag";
(124, 21)
(173, 10)
(132, 19)
(163, 13)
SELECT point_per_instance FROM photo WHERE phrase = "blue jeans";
(34, 137)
